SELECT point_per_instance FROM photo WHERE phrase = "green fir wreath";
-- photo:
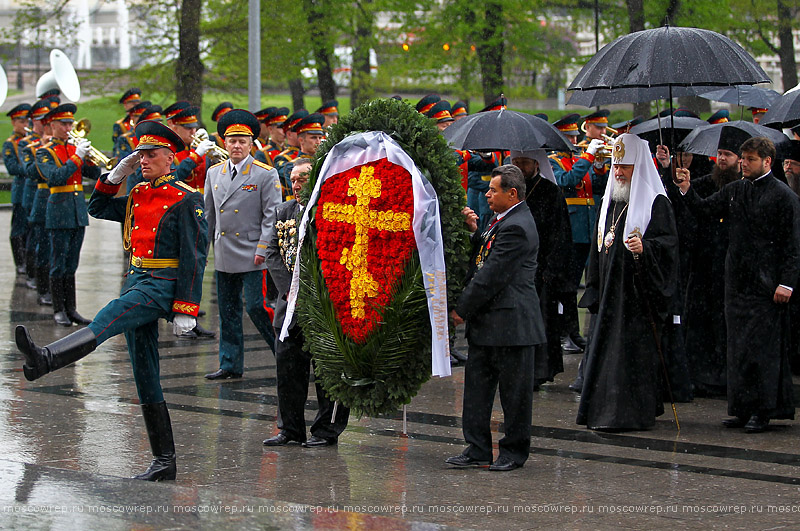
(388, 369)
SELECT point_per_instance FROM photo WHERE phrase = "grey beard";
(620, 193)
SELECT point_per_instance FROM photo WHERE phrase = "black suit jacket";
(499, 301)
(275, 265)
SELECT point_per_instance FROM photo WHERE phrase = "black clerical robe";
(763, 253)
(706, 333)
(621, 390)
(553, 278)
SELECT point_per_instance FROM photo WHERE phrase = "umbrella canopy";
(669, 57)
(785, 112)
(744, 95)
(505, 130)
(704, 140)
(682, 126)
(596, 97)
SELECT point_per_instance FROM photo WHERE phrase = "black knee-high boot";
(59, 309)
(42, 360)
(159, 431)
(70, 302)
(43, 286)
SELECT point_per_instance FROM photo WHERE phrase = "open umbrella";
(669, 57)
(654, 129)
(744, 95)
(595, 97)
(785, 112)
(704, 140)
(505, 130)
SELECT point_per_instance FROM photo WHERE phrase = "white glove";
(183, 323)
(83, 148)
(204, 147)
(594, 145)
(123, 168)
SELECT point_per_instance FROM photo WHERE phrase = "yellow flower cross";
(365, 188)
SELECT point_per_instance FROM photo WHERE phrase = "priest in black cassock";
(761, 272)
(630, 282)
(553, 280)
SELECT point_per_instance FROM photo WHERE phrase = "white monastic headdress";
(645, 185)
(540, 156)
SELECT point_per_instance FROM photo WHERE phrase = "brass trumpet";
(217, 154)
(79, 132)
(605, 151)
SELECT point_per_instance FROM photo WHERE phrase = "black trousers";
(293, 366)
(580, 255)
(510, 368)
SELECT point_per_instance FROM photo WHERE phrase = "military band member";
(125, 143)
(191, 162)
(14, 167)
(241, 197)
(129, 99)
(440, 112)
(581, 181)
(151, 113)
(720, 117)
(426, 102)
(330, 110)
(218, 113)
(165, 230)
(277, 136)
(64, 165)
(291, 151)
(38, 248)
(459, 110)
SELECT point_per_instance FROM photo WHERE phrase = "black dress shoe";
(458, 355)
(45, 300)
(465, 460)
(576, 386)
(222, 374)
(569, 346)
(279, 440)
(756, 424)
(202, 332)
(61, 318)
(735, 422)
(317, 442)
(578, 339)
(30, 283)
(503, 464)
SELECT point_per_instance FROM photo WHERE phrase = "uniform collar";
(164, 179)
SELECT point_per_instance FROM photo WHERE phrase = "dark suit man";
(504, 324)
(292, 360)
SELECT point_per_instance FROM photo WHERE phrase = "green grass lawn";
(104, 111)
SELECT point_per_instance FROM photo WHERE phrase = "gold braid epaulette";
(185, 186)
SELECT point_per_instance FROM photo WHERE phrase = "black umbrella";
(785, 112)
(653, 130)
(595, 97)
(704, 140)
(669, 57)
(505, 130)
(744, 95)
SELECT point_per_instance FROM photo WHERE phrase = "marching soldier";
(128, 100)
(291, 151)
(581, 178)
(165, 231)
(63, 165)
(240, 199)
(38, 249)
(330, 110)
(13, 163)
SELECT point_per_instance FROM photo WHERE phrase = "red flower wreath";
(364, 213)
